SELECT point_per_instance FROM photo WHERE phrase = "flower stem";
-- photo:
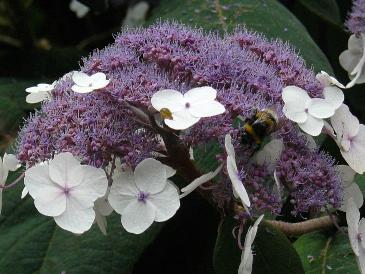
(13, 184)
(297, 229)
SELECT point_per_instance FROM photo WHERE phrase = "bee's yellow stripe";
(248, 128)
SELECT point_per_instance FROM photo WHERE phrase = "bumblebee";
(259, 126)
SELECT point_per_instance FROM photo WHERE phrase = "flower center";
(142, 196)
(187, 105)
(66, 190)
(166, 113)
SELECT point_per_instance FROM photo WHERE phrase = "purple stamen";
(142, 196)
(187, 105)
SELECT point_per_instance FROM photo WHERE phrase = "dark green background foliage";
(42, 40)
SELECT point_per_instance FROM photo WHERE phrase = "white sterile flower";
(350, 188)
(79, 8)
(307, 112)
(102, 209)
(353, 59)
(66, 190)
(182, 111)
(350, 136)
(270, 154)
(328, 80)
(39, 93)
(199, 181)
(144, 196)
(239, 190)
(8, 163)
(247, 256)
(356, 231)
(85, 83)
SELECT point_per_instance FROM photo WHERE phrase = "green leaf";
(256, 15)
(31, 243)
(360, 180)
(273, 252)
(321, 253)
(325, 9)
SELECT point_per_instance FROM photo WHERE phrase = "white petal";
(99, 80)
(200, 94)
(362, 232)
(353, 218)
(349, 60)
(207, 109)
(94, 185)
(123, 183)
(181, 120)
(45, 87)
(237, 185)
(312, 126)
(119, 202)
(52, 202)
(353, 191)
(168, 98)
(199, 181)
(355, 44)
(347, 175)
(101, 221)
(24, 193)
(334, 96)
(81, 79)
(138, 216)
(295, 111)
(34, 98)
(270, 153)
(169, 171)
(1, 200)
(150, 176)
(65, 169)
(10, 162)
(229, 147)
(328, 80)
(320, 108)
(33, 90)
(295, 94)
(103, 207)
(75, 219)
(355, 156)
(255, 227)
(166, 202)
(80, 89)
(344, 123)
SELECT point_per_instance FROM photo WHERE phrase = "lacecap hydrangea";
(247, 70)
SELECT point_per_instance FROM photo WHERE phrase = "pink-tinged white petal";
(52, 202)
(328, 80)
(334, 96)
(355, 155)
(24, 193)
(344, 123)
(206, 109)
(347, 175)
(75, 219)
(166, 203)
(353, 218)
(353, 191)
(81, 89)
(81, 79)
(181, 120)
(295, 111)
(138, 216)
(321, 108)
(239, 190)
(312, 126)
(199, 181)
(296, 94)
(65, 170)
(150, 176)
(119, 202)
(168, 98)
(200, 95)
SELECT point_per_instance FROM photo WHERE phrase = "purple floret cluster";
(249, 73)
(356, 19)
